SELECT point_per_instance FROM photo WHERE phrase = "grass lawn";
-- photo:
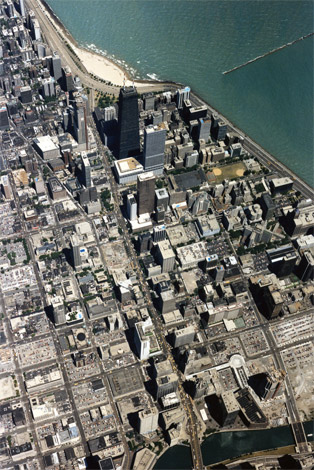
(234, 170)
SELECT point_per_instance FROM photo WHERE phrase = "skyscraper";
(131, 206)
(56, 66)
(67, 79)
(145, 193)
(86, 170)
(76, 251)
(182, 95)
(6, 187)
(4, 118)
(36, 29)
(128, 123)
(154, 147)
(306, 267)
(22, 7)
(79, 121)
(204, 125)
(148, 420)
(230, 408)
(110, 113)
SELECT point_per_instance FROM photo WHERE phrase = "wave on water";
(132, 71)
(153, 76)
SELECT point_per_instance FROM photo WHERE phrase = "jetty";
(267, 53)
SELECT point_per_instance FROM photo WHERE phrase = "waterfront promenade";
(60, 40)
(61, 44)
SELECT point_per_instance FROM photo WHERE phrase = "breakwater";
(267, 53)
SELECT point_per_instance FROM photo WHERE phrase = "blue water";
(193, 42)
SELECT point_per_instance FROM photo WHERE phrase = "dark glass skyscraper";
(145, 193)
(128, 127)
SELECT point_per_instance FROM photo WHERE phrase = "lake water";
(194, 41)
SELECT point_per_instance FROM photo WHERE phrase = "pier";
(267, 53)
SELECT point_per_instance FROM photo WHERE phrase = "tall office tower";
(10, 9)
(230, 408)
(48, 87)
(204, 125)
(58, 311)
(144, 242)
(159, 233)
(162, 198)
(56, 70)
(6, 187)
(22, 7)
(67, 120)
(86, 170)
(80, 122)
(4, 118)
(266, 386)
(36, 29)
(154, 148)
(165, 256)
(149, 101)
(145, 193)
(131, 207)
(282, 260)
(41, 50)
(67, 79)
(268, 206)
(182, 95)
(110, 113)
(183, 336)
(273, 302)
(26, 94)
(128, 123)
(306, 267)
(76, 251)
(148, 420)
(165, 385)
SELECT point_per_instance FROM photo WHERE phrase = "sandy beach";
(104, 68)
(96, 64)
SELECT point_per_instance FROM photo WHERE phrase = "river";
(227, 445)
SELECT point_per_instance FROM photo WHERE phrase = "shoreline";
(110, 70)
(258, 148)
(98, 64)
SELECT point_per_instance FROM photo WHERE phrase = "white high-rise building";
(36, 29)
(22, 7)
(148, 420)
(110, 113)
(131, 207)
(182, 95)
(145, 339)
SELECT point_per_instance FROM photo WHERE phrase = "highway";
(60, 43)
